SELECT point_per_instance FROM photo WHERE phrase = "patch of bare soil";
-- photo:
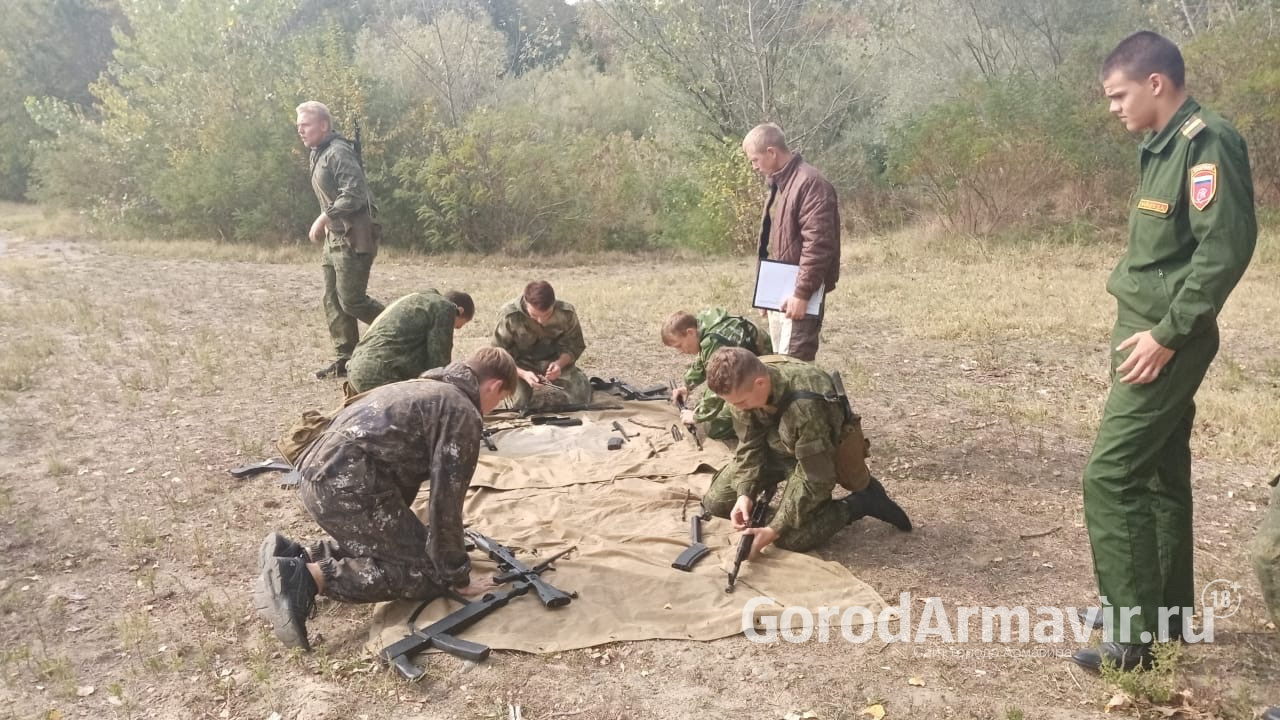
(132, 384)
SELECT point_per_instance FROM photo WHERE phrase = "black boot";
(1122, 656)
(275, 545)
(337, 369)
(284, 596)
(874, 502)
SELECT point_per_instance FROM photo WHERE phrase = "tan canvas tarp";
(547, 488)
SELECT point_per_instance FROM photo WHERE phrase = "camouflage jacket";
(414, 334)
(530, 343)
(717, 329)
(807, 431)
(340, 186)
(404, 435)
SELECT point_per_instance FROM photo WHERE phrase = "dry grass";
(135, 372)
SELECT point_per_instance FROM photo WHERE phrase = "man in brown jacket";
(801, 226)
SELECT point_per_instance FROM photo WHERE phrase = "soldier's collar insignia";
(1192, 127)
(1154, 206)
(1204, 185)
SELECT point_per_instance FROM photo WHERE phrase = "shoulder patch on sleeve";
(1192, 127)
(1204, 184)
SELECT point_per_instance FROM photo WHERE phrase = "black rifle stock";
(759, 510)
(550, 595)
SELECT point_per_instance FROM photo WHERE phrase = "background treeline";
(536, 125)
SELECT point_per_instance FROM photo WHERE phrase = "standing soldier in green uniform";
(345, 226)
(711, 330)
(1191, 234)
(788, 435)
(414, 334)
(545, 338)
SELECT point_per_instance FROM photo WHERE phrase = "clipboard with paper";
(775, 282)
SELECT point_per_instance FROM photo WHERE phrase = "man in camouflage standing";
(1192, 232)
(711, 330)
(414, 334)
(345, 226)
(802, 227)
(545, 338)
(359, 480)
(791, 428)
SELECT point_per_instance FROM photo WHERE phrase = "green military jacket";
(340, 186)
(414, 334)
(1192, 227)
(808, 431)
(530, 343)
(718, 329)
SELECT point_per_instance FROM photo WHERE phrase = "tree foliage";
(537, 126)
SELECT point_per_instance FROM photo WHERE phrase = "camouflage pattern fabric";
(717, 329)
(360, 477)
(797, 447)
(414, 334)
(1266, 554)
(535, 346)
(349, 250)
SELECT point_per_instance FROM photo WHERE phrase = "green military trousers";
(1266, 555)
(1137, 488)
(346, 297)
(827, 518)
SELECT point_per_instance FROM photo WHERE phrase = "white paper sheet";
(775, 282)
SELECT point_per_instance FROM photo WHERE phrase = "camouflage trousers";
(573, 387)
(828, 516)
(1266, 556)
(346, 296)
(378, 550)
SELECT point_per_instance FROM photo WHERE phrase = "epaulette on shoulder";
(1192, 127)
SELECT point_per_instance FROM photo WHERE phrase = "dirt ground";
(133, 377)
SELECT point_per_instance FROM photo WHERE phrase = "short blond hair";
(763, 137)
(494, 363)
(730, 368)
(676, 324)
(316, 110)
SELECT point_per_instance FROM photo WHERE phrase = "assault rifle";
(759, 510)
(512, 569)
(575, 407)
(627, 391)
(691, 427)
(442, 634)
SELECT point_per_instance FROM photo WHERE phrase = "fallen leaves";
(875, 712)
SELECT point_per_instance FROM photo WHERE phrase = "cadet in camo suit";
(784, 438)
(359, 480)
(545, 338)
(414, 334)
(711, 330)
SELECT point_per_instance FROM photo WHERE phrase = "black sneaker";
(875, 502)
(284, 597)
(275, 545)
(336, 369)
